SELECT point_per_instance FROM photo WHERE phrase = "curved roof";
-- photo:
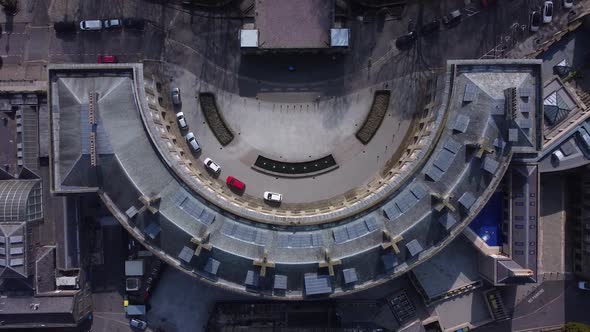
(14, 195)
(446, 186)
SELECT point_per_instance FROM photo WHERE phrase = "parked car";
(133, 23)
(585, 285)
(567, 4)
(138, 324)
(452, 19)
(64, 27)
(113, 23)
(192, 142)
(175, 94)
(406, 41)
(534, 21)
(181, 121)
(273, 197)
(548, 12)
(152, 279)
(430, 27)
(235, 183)
(106, 59)
(212, 166)
(91, 25)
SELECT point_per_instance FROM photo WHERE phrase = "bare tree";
(10, 6)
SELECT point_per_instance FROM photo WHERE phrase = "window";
(517, 226)
(519, 243)
(533, 218)
(533, 203)
(519, 252)
(518, 203)
(519, 195)
(519, 218)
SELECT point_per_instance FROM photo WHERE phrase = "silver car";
(192, 142)
(181, 121)
(91, 25)
(175, 93)
(138, 324)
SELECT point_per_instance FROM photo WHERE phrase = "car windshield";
(549, 11)
(536, 18)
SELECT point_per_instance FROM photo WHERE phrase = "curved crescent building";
(113, 132)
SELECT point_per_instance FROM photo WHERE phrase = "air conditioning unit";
(67, 282)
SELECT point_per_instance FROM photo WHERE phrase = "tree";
(10, 6)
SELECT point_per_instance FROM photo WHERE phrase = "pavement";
(552, 304)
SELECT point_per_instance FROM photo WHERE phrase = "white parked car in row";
(91, 25)
(548, 12)
(567, 4)
(212, 166)
(273, 197)
(535, 21)
(192, 142)
(181, 121)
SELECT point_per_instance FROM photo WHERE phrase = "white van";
(91, 25)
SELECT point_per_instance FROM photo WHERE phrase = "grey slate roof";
(252, 278)
(467, 200)
(350, 275)
(280, 282)
(211, 266)
(186, 254)
(317, 284)
(414, 247)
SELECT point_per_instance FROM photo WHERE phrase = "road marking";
(536, 295)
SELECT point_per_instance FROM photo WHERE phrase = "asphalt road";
(208, 47)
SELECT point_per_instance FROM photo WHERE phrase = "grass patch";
(214, 119)
(375, 116)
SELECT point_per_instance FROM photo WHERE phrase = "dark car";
(430, 27)
(152, 279)
(133, 23)
(61, 27)
(406, 41)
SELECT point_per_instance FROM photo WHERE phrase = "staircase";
(496, 305)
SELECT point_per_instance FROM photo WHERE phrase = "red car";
(106, 59)
(235, 183)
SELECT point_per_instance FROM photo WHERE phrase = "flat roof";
(294, 24)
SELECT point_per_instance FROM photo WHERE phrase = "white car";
(272, 197)
(212, 166)
(568, 4)
(548, 12)
(535, 21)
(91, 25)
(585, 285)
(181, 121)
(192, 142)
(112, 23)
